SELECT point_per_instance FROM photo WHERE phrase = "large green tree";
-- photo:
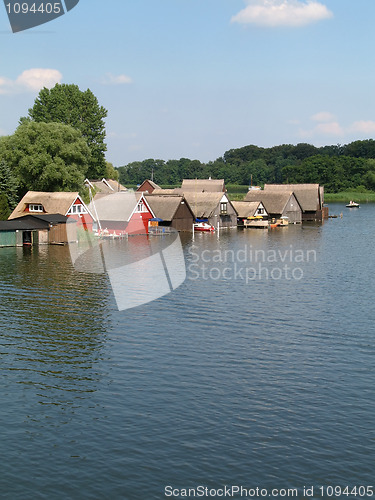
(8, 190)
(69, 105)
(47, 157)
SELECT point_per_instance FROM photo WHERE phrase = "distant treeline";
(337, 167)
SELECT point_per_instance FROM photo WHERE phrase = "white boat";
(203, 226)
(352, 204)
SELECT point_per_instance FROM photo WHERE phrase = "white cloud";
(328, 126)
(30, 80)
(323, 116)
(272, 13)
(37, 78)
(363, 127)
(110, 79)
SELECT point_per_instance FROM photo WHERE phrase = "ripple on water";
(264, 383)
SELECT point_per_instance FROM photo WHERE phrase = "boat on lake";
(203, 226)
(352, 204)
(282, 222)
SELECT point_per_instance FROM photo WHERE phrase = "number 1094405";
(34, 8)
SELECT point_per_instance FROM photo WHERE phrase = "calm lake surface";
(232, 379)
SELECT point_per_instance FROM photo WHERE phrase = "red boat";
(203, 226)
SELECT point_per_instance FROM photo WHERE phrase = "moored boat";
(203, 226)
(284, 221)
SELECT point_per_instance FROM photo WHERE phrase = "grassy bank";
(237, 192)
(346, 196)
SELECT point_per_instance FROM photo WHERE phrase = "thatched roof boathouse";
(278, 204)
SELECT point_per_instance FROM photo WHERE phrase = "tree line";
(62, 140)
(337, 167)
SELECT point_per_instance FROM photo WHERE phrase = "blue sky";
(194, 78)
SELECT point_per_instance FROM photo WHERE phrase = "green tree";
(8, 188)
(256, 172)
(69, 105)
(360, 149)
(47, 157)
(111, 172)
(4, 207)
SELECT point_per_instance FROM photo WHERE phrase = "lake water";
(247, 374)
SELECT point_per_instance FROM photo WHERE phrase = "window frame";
(35, 207)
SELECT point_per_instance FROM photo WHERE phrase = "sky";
(195, 78)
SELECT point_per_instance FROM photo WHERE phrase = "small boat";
(352, 204)
(284, 221)
(255, 221)
(203, 226)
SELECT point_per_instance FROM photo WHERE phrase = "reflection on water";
(52, 322)
(265, 382)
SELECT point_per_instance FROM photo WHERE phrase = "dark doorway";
(27, 239)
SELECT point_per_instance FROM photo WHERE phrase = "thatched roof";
(274, 201)
(203, 204)
(115, 185)
(161, 191)
(115, 207)
(105, 186)
(203, 185)
(165, 207)
(53, 203)
(308, 195)
(246, 209)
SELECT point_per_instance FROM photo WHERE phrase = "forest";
(337, 167)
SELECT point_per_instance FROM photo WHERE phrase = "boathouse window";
(35, 207)
(223, 207)
(260, 211)
(141, 207)
(77, 209)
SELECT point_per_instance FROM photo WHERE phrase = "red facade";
(80, 214)
(136, 224)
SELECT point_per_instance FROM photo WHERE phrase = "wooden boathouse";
(42, 203)
(34, 230)
(215, 207)
(173, 210)
(251, 214)
(309, 196)
(278, 204)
